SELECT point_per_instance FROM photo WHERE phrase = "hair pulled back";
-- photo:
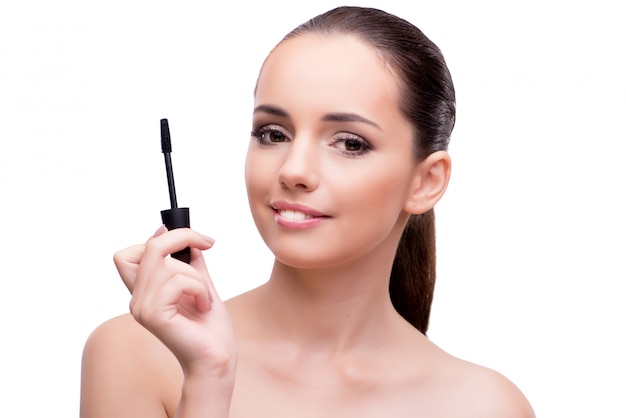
(428, 102)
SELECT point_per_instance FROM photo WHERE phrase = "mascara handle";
(177, 218)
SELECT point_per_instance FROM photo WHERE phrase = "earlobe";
(431, 180)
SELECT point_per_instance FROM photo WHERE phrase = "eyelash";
(260, 134)
(365, 146)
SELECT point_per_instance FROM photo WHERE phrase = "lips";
(296, 213)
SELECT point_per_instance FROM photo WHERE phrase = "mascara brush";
(174, 217)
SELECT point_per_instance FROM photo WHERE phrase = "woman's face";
(330, 163)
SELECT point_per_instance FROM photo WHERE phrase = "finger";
(198, 262)
(158, 249)
(160, 231)
(179, 295)
(173, 241)
(127, 263)
(150, 278)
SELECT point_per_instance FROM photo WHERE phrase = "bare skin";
(410, 378)
(321, 338)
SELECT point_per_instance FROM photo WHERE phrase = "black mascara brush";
(175, 217)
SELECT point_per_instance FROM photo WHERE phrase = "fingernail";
(159, 231)
(208, 239)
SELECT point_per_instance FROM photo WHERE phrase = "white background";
(530, 233)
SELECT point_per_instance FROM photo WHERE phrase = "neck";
(330, 309)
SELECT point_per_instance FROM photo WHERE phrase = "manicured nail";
(208, 239)
(159, 231)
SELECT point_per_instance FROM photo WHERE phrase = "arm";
(181, 318)
(194, 401)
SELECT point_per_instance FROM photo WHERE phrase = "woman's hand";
(177, 302)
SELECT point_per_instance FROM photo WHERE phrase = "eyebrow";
(272, 110)
(328, 117)
(348, 117)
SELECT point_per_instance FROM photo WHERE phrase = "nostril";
(301, 186)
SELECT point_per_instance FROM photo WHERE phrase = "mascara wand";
(175, 217)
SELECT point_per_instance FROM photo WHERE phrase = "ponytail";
(413, 274)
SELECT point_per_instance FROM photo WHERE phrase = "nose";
(299, 170)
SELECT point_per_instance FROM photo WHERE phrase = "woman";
(353, 113)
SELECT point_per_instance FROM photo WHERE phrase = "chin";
(301, 261)
(311, 258)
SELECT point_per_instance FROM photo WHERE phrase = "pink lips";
(296, 216)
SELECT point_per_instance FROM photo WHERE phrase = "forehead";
(335, 70)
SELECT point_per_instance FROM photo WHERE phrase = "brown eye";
(268, 135)
(275, 136)
(352, 145)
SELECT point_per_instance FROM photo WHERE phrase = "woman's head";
(353, 113)
(427, 92)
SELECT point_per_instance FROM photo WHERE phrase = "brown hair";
(428, 102)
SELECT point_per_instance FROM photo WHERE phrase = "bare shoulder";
(127, 372)
(477, 391)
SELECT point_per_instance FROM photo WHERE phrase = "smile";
(293, 215)
(297, 216)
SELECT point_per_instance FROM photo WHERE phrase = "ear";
(430, 182)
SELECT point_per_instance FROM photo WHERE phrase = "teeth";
(293, 215)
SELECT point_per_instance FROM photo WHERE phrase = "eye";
(269, 135)
(351, 145)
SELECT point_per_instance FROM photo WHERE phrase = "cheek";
(376, 209)
(369, 216)
(253, 189)
(252, 176)
(260, 178)
(381, 191)
(372, 207)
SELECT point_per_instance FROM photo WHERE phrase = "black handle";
(178, 218)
